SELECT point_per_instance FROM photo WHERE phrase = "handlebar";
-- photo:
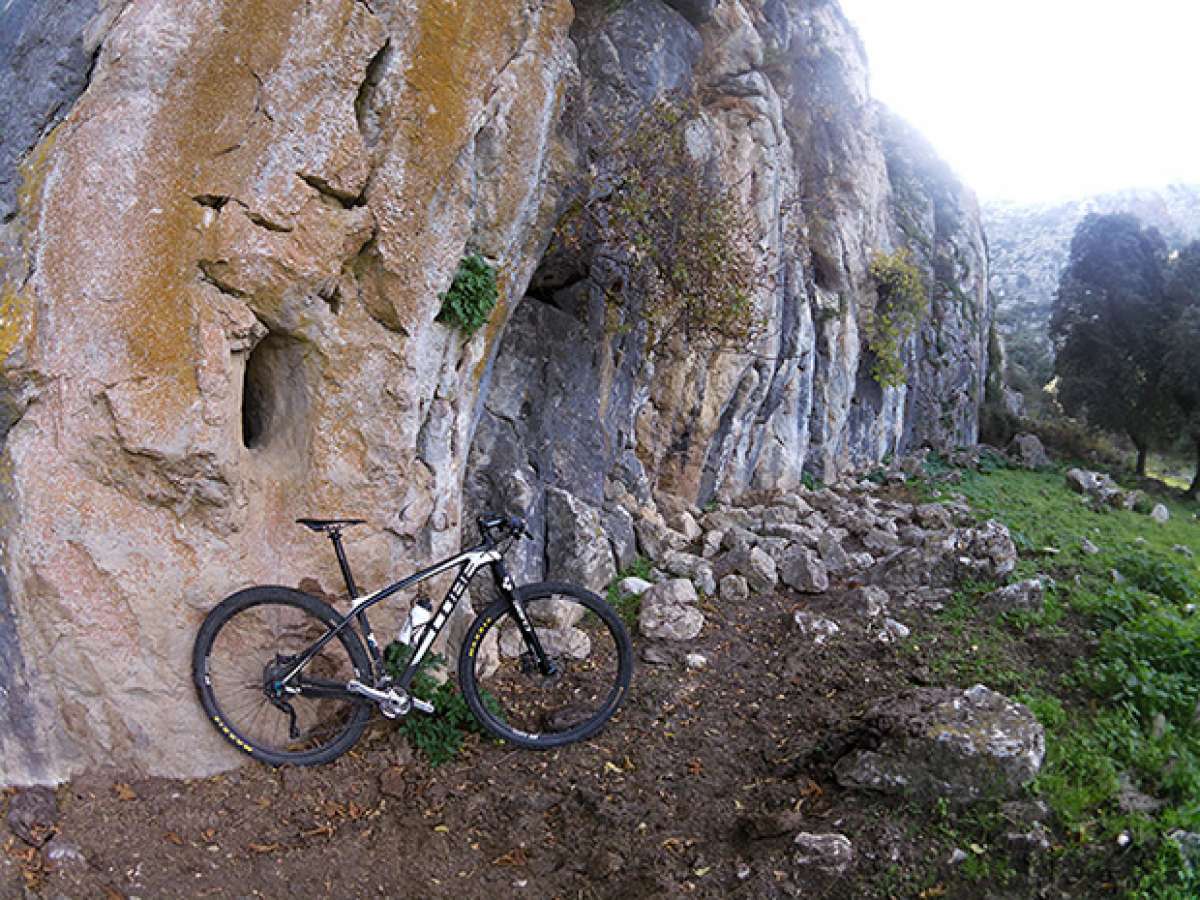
(513, 526)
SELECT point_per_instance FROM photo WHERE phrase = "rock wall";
(220, 274)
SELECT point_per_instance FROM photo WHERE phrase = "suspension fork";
(507, 590)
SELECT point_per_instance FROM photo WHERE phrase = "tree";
(1181, 361)
(1108, 328)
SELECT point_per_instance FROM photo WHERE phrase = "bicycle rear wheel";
(508, 694)
(248, 642)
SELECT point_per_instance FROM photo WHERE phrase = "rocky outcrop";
(220, 277)
(936, 743)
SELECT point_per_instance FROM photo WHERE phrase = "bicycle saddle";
(329, 524)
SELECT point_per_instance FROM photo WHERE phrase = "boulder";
(935, 742)
(618, 525)
(1024, 596)
(988, 552)
(577, 548)
(1081, 481)
(687, 565)
(668, 611)
(1027, 449)
(803, 570)
(758, 568)
(1160, 514)
(832, 552)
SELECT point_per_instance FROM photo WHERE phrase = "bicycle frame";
(469, 562)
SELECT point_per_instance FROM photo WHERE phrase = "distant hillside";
(1029, 247)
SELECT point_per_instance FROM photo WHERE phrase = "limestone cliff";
(220, 279)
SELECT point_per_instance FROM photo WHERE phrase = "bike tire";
(502, 701)
(248, 632)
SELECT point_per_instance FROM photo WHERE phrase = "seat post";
(335, 535)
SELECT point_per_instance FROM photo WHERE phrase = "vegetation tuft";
(438, 737)
(471, 297)
(627, 605)
(657, 206)
(902, 304)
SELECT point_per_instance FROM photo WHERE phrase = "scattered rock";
(831, 853)
(734, 589)
(832, 553)
(1184, 551)
(1131, 800)
(1026, 844)
(696, 661)
(1189, 846)
(870, 601)
(937, 742)
(657, 655)
(711, 545)
(1024, 596)
(892, 631)
(804, 571)
(668, 611)
(1025, 813)
(819, 628)
(32, 814)
(759, 569)
(1088, 547)
(1027, 449)
(933, 515)
(633, 587)
(1081, 481)
(1160, 514)
(64, 854)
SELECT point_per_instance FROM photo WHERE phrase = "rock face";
(962, 745)
(219, 283)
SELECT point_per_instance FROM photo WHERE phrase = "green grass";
(438, 737)
(627, 605)
(1131, 703)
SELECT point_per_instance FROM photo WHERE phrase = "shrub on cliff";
(901, 305)
(656, 206)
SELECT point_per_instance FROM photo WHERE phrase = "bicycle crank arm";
(391, 702)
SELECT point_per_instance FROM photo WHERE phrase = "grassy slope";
(1112, 671)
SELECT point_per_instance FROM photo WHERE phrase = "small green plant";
(627, 605)
(472, 295)
(902, 304)
(439, 737)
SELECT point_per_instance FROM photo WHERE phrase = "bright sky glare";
(1043, 100)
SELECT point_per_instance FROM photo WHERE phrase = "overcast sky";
(1036, 100)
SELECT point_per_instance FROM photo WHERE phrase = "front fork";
(507, 590)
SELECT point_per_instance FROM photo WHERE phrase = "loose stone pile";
(874, 556)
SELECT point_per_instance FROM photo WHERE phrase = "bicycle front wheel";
(246, 645)
(509, 695)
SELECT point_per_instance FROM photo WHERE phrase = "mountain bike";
(288, 679)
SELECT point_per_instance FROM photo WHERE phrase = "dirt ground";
(696, 788)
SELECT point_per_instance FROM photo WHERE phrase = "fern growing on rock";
(472, 295)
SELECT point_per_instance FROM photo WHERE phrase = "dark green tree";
(1108, 327)
(1181, 362)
